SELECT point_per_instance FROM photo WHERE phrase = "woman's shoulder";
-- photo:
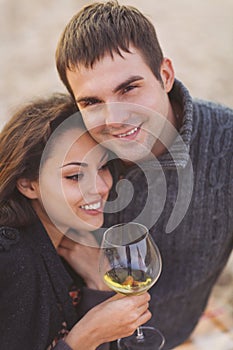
(15, 254)
(9, 236)
(18, 265)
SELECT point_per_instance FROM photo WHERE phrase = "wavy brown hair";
(22, 142)
(106, 27)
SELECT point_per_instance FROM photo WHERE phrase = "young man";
(177, 151)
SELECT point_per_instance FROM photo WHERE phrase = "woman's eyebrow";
(105, 155)
(74, 163)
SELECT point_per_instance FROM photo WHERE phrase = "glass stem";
(140, 334)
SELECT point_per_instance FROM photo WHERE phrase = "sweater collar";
(40, 240)
(178, 154)
(59, 277)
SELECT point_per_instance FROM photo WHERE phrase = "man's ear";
(28, 188)
(167, 74)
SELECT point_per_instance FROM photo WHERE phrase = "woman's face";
(74, 183)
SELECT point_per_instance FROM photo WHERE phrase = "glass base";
(152, 340)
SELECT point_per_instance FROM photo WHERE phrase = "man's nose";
(115, 114)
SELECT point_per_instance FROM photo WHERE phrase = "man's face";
(120, 99)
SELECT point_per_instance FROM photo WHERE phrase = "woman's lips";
(93, 208)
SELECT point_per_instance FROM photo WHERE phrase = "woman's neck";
(53, 232)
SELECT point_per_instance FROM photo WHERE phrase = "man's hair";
(22, 142)
(106, 28)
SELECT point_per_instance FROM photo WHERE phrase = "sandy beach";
(197, 36)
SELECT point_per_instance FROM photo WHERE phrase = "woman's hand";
(83, 257)
(115, 318)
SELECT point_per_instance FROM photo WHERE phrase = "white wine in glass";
(130, 263)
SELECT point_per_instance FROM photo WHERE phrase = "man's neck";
(168, 135)
(169, 132)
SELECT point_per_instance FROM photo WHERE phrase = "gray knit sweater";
(200, 240)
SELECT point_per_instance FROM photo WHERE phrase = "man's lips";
(130, 134)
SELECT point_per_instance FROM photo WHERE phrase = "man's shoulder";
(215, 118)
(212, 107)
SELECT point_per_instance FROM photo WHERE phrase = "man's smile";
(131, 132)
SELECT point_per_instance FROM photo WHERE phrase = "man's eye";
(75, 177)
(129, 88)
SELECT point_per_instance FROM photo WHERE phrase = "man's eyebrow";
(128, 81)
(119, 87)
(75, 163)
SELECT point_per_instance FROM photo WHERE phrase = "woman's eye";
(88, 102)
(75, 177)
(104, 166)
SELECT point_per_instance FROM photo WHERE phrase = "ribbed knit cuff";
(91, 298)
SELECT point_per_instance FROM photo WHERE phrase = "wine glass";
(130, 263)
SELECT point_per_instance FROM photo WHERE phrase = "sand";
(197, 36)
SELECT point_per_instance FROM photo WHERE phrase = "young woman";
(54, 180)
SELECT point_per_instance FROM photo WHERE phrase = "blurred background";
(197, 36)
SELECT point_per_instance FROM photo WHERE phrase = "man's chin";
(134, 157)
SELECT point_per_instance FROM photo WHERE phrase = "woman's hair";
(102, 28)
(22, 142)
